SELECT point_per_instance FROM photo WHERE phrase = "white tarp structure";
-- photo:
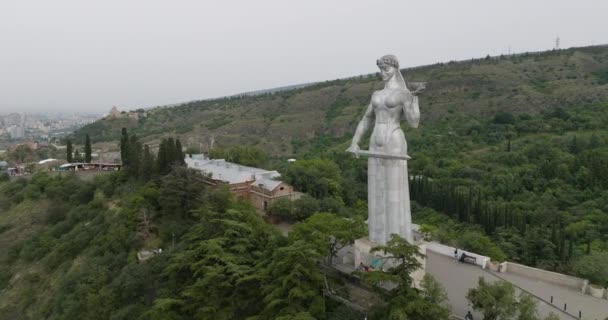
(47, 161)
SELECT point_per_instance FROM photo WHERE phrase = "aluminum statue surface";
(388, 190)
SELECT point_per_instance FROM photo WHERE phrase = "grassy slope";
(280, 122)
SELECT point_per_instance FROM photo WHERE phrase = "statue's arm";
(362, 127)
(412, 111)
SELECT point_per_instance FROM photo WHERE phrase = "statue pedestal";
(361, 254)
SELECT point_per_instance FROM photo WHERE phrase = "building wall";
(260, 202)
(241, 190)
(262, 198)
(283, 190)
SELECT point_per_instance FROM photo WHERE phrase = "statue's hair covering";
(388, 60)
(391, 60)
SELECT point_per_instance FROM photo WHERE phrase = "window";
(282, 188)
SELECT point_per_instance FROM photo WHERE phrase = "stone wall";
(552, 277)
(442, 249)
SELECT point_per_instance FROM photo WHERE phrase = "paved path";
(590, 307)
(457, 278)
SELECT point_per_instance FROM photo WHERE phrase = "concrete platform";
(457, 278)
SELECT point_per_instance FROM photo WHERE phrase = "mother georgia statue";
(388, 190)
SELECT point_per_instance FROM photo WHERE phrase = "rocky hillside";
(288, 122)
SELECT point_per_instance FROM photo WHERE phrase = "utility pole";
(556, 43)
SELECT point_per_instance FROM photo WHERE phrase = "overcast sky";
(90, 55)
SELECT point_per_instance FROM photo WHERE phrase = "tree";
(527, 307)
(295, 285)
(171, 152)
(305, 207)
(124, 147)
(135, 156)
(22, 154)
(432, 290)
(435, 299)
(179, 154)
(163, 158)
(69, 151)
(594, 141)
(404, 301)
(553, 316)
(504, 118)
(181, 192)
(593, 267)
(574, 146)
(221, 264)
(496, 301)
(147, 164)
(476, 241)
(280, 208)
(404, 259)
(319, 178)
(87, 149)
(343, 312)
(77, 156)
(329, 233)
(245, 155)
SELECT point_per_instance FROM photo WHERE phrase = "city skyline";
(87, 57)
(40, 126)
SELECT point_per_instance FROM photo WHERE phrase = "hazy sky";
(91, 55)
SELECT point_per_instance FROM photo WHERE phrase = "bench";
(467, 259)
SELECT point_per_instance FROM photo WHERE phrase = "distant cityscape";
(15, 127)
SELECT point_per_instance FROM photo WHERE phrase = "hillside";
(511, 162)
(285, 123)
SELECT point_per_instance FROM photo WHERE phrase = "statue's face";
(387, 72)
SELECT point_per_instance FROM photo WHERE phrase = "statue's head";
(388, 65)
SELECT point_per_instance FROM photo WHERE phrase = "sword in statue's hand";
(375, 154)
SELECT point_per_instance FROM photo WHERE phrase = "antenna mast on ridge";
(556, 43)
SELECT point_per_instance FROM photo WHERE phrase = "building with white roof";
(261, 186)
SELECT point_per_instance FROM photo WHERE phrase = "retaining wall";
(553, 277)
(480, 260)
(597, 292)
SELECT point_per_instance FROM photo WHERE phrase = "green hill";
(511, 161)
(286, 122)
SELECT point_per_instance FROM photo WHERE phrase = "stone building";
(114, 113)
(260, 186)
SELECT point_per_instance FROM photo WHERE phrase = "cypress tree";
(170, 148)
(147, 164)
(87, 150)
(162, 157)
(69, 152)
(134, 156)
(77, 157)
(594, 142)
(124, 147)
(574, 147)
(179, 153)
(478, 208)
(562, 243)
